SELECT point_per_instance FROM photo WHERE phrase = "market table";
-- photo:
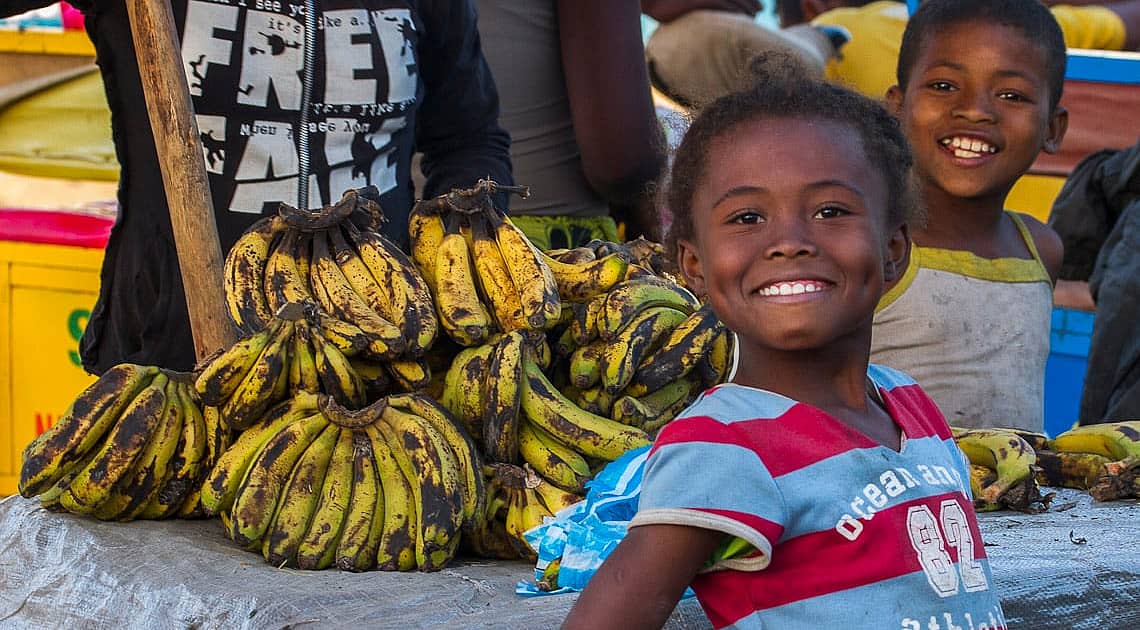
(1075, 566)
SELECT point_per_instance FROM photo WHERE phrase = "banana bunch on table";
(1003, 468)
(485, 274)
(518, 500)
(134, 445)
(369, 292)
(1103, 459)
(312, 485)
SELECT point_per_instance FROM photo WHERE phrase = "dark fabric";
(1098, 217)
(391, 77)
(1089, 204)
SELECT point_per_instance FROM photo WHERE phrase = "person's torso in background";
(521, 43)
(973, 332)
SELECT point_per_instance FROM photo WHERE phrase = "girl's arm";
(640, 583)
(1048, 244)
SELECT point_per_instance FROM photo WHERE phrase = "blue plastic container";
(1070, 334)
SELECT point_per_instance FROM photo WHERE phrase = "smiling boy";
(979, 83)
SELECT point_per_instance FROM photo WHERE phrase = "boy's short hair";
(1034, 20)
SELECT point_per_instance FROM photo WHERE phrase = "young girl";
(978, 91)
(814, 490)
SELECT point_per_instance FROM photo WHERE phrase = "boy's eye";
(1012, 96)
(941, 86)
(830, 212)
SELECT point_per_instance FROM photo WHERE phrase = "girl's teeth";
(796, 288)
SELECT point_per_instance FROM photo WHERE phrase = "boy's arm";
(640, 583)
(1048, 244)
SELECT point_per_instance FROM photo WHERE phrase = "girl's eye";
(747, 216)
(830, 212)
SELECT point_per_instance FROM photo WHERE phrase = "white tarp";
(1076, 566)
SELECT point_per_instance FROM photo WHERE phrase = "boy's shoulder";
(728, 403)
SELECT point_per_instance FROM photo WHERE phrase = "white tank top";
(973, 332)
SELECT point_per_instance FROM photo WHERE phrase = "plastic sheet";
(1076, 566)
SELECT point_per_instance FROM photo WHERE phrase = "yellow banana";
(230, 469)
(1012, 457)
(123, 446)
(584, 326)
(468, 456)
(425, 229)
(596, 400)
(554, 498)
(980, 478)
(412, 374)
(360, 539)
(390, 265)
(1116, 440)
(336, 295)
(631, 297)
(686, 345)
(498, 289)
(337, 377)
(463, 388)
(57, 451)
(256, 392)
(579, 282)
(222, 375)
(501, 395)
(284, 283)
(537, 287)
(348, 338)
(317, 548)
(299, 498)
(462, 313)
(585, 368)
(256, 501)
(1067, 469)
(397, 548)
(591, 435)
(244, 272)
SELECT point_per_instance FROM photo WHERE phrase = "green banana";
(257, 390)
(299, 499)
(1116, 440)
(631, 297)
(591, 435)
(1010, 456)
(554, 461)
(360, 539)
(579, 282)
(463, 388)
(686, 345)
(585, 368)
(643, 334)
(224, 373)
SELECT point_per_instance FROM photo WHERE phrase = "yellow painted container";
(46, 293)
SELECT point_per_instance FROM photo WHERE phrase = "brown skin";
(611, 105)
(669, 10)
(983, 82)
(816, 214)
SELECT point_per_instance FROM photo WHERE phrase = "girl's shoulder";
(730, 402)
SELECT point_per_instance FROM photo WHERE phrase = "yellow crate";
(46, 295)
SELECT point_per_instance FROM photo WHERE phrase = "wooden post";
(183, 172)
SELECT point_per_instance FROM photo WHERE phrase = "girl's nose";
(793, 241)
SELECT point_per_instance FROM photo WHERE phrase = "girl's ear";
(894, 98)
(689, 264)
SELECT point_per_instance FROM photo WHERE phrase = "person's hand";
(669, 10)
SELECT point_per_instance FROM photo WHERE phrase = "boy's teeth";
(968, 147)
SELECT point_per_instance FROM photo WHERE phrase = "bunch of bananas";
(299, 350)
(1103, 459)
(487, 277)
(134, 445)
(356, 276)
(1003, 469)
(313, 484)
(518, 500)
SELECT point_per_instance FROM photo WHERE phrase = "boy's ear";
(1058, 124)
(689, 265)
(894, 100)
(898, 255)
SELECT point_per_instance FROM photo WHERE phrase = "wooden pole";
(183, 172)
